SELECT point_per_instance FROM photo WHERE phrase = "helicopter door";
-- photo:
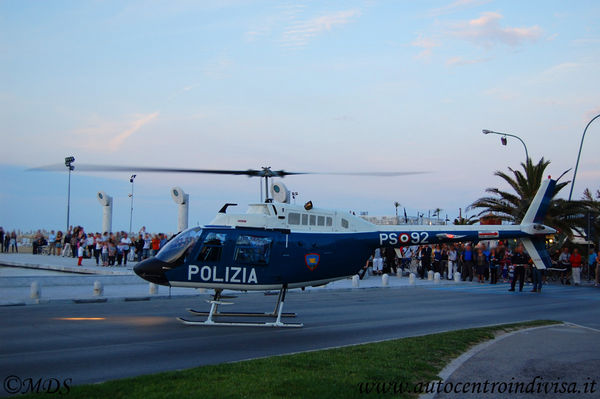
(212, 248)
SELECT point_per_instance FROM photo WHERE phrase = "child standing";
(104, 253)
(80, 247)
(112, 252)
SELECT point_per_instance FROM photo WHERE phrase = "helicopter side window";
(313, 220)
(329, 222)
(252, 250)
(321, 221)
(344, 223)
(304, 219)
(294, 218)
(212, 247)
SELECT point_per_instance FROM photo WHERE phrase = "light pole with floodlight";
(69, 164)
(504, 141)
(131, 179)
(579, 154)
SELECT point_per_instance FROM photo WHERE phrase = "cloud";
(455, 6)
(487, 31)
(300, 33)
(427, 44)
(141, 120)
(459, 61)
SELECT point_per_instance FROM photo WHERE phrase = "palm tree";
(466, 221)
(562, 215)
(436, 212)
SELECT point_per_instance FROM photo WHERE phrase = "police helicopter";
(277, 245)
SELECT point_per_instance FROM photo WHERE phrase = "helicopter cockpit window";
(179, 245)
(253, 250)
(294, 218)
(212, 247)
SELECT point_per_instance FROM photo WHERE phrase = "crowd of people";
(483, 262)
(108, 249)
(8, 241)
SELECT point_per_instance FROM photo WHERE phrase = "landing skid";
(238, 323)
(240, 314)
(214, 312)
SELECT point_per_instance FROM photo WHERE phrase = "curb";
(69, 269)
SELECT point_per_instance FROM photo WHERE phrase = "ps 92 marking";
(404, 238)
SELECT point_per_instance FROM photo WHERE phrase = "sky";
(324, 86)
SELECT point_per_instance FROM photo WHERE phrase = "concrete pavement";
(547, 362)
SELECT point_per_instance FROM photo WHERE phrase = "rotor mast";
(266, 174)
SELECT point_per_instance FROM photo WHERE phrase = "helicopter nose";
(152, 270)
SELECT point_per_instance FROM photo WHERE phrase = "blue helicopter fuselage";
(260, 259)
(282, 245)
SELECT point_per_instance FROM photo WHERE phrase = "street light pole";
(579, 154)
(485, 131)
(131, 179)
(69, 164)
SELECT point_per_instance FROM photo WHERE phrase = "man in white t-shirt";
(452, 257)
(125, 245)
(377, 262)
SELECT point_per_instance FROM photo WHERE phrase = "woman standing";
(480, 265)
(58, 242)
(13, 242)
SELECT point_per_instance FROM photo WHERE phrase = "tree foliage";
(512, 205)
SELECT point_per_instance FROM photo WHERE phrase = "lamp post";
(579, 154)
(131, 179)
(503, 139)
(69, 164)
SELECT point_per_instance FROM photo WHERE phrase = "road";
(134, 338)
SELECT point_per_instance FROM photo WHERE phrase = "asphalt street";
(133, 338)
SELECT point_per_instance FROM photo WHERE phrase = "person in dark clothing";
(467, 261)
(481, 265)
(390, 260)
(536, 276)
(139, 247)
(425, 261)
(519, 260)
(494, 263)
(1, 239)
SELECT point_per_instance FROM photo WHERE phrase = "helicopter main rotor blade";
(119, 168)
(264, 172)
(376, 174)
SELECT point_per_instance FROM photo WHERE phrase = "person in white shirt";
(377, 262)
(452, 256)
(125, 246)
